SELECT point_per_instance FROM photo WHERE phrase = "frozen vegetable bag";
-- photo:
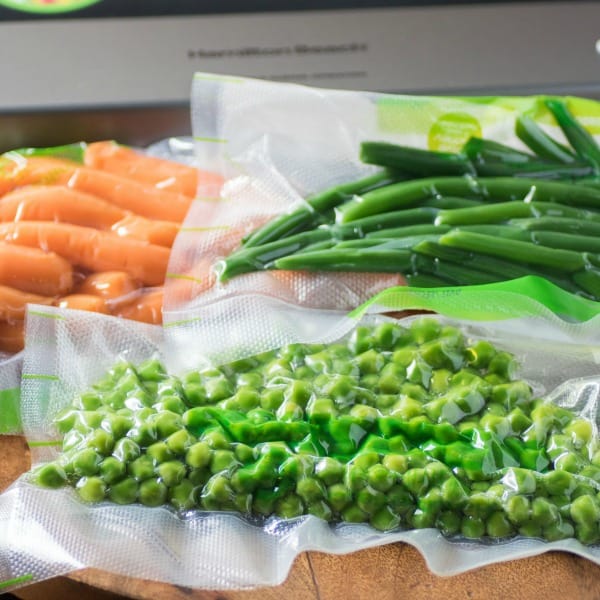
(446, 191)
(218, 477)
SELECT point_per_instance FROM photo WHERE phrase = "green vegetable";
(533, 136)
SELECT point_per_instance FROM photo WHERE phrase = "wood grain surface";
(384, 573)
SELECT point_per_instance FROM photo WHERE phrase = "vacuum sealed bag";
(331, 196)
(90, 227)
(471, 434)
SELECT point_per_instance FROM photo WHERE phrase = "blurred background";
(96, 69)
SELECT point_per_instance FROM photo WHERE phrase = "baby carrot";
(92, 249)
(161, 233)
(17, 170)
(164, 174)
(146, 308)
(83, 302)
(13, 303)
(12, 336)
(34, 270)
(131, 195)
(58, 203)
(108, 285)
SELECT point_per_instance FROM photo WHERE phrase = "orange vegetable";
(146, 308)
(109, 285)
(17, 171)
(83, 302)
(58, 203)
(92, 249)
(157, 232)
(13, 303)
(34, 270)
(131, 195)
(161, 173)
(12, 336)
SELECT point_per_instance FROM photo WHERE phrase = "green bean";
(533, 136)
(304, 217)
(385, 261)
(580, 139)
(408, 231)
(390, 243)
(560, 260)
(426, 280)
(453, 272)
(586, 225)
(445, 202)
(419, 163)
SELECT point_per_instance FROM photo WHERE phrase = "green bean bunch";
(489, 213)
(398, 427)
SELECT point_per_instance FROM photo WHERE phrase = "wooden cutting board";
(385, 573)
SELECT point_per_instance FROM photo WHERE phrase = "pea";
(86, 462)
(361, 340)
(289, 506)
(453, 493)
(518, 509)
(400, 500)
(290, 411)
(521, 481)
(440, 381)
(479, 354)
(91, 489)
(498, 526)
(243, 503)
(216, 439)
(407, 408)
(199, 476)
(329, 470)
(422, 519)
(170, 403)
(198, 455)
(385, 519)
(50, 475)
(480, 505)
(159, 451)
(585, 510)
(222, 460)
(558, 482)
(182, 495)
(380, 478)
(243, 453)
(152, 492)
(143, 434)
(112, 469)
(296, 467)
(338, 496)
(88, 401)
(559, 531)
(587, 533)
(126, 450)
(415, 481)
(353, 514)
(101, 441)
(569, 461)
(321, 410)
(518, 420)
(171, 472)
(397, 445)
(530, 530)
(124, 492)
(449, 523)
(425, 329)
(472, 527)
(397, 463)
(117, 425)
(141, 468)
(431, 502)
(391, 378)
(503, 364)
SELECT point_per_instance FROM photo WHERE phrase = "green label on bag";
(450, 132)
(10, 412)
(526, 296)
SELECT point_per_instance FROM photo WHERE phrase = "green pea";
(86, 462)
(472, 527)
(271, 398)
(558, 482)
(321, 410)
(126, 450)
(481, 505)
(222, 460)
(518, 509)
(560, 530)
(449, 523)
(421, 519)
(361, 340)
(91, 489)
(310, 489)
(290, 411)
(117, 425)
(153, 492)
(243, 453)
(398, 445)
(431, 502)
(296, 467)
(530, 530)
(171, 472)
(385, 519)
(387, 335)
(50, 475)
(585, 510)
(442, 354)
(159, 451)
(353, 514)
(453, 493)
(380, 478)
(355, 477)
(391, 378)
(194, 394)
(503, 364)
(143, 434)
(518, 420)
(199, 476)
(329, 470)
(289, 506)
(250, 379)
(101, 441)
(320, 509)
(198, 455)
(521, 481)
(425, 329)
(416, 481)
(581, 432)
(263, 503)
(512, 394)
(170, 403)
(397, 463)
(370, 500)
(569, 461)
(243, 503)
(217, 489)
(440, 381)
(587, 533)
(183, 495)
(498, 526)
(88, 401)
(338, 496)
(216, 439)
(407, 408)
(479, 354)
(112, 469)
(124, 492)
(141, 468)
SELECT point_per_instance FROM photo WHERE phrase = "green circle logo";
(452, 130)
(47, 6)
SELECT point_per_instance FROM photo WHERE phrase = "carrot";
(92, 249)
(12, 336)
(157, 232)
(13, 303)
(161, 173)
(58, 203)
(109, 285)
(34, 270)
(147, 308)
(17, 170)
(131, 195)
(83, 302)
